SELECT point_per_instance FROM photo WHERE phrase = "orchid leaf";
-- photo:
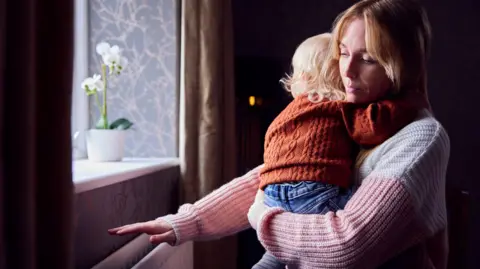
(121, 124)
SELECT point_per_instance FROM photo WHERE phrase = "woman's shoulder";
(424, 133)
(422, 144)
(426, 122)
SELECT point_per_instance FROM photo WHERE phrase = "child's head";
(307, 64)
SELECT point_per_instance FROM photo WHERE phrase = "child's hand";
(257, 209)
(159, 230)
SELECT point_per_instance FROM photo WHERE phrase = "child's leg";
(338, 202)
(310, 197)
(274, 197)
(268, 261)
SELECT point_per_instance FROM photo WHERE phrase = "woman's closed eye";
(368, 61)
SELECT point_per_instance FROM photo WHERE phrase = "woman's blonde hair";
(306, 67)
(398, 36)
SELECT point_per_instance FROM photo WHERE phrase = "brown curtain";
(207, 113)
(36, 55)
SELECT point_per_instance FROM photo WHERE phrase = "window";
(80, 71)
(146, 92)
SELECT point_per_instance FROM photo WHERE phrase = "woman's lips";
(352, 89)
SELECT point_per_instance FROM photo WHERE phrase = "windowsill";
(91, 175)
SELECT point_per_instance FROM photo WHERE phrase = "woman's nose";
(350, 69)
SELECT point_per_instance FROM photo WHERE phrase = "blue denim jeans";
(307, 197)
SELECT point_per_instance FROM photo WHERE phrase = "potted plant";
(106, 141)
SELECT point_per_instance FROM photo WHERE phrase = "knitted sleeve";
(400, 203)
(222, 212)
(372, 124)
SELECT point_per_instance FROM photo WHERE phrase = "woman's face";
(364, 78)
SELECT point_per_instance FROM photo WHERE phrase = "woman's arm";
(398, 205)
(221, 213)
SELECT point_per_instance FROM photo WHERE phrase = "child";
(311, 145)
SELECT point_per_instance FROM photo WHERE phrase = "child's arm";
(372, 124)
(223, 212)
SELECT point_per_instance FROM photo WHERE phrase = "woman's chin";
(359, 98)
(353, 98)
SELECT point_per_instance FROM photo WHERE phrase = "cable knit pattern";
(316, 129)
(316, 141)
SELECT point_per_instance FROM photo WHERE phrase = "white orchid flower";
(92, 84)
(103, 48)
(112, 57)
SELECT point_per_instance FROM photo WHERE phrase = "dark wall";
(271, 29)
(454, 93)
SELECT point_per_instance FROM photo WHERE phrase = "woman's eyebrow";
(361, 50)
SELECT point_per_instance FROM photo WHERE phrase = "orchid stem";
(98, 102)
(104, 110)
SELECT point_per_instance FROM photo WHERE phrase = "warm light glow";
(251, 100)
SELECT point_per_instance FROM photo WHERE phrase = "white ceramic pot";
(105, 145)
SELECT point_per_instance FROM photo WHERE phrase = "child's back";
(308, 141)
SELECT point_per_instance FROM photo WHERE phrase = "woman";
(397, 216)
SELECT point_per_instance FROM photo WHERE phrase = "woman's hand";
(257, 209)
(159, 230)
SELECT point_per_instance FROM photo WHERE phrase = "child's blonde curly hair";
(306, 74)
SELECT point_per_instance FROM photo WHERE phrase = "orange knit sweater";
(318, 141)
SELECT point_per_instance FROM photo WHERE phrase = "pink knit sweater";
(396, 218)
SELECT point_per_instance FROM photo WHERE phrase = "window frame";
(80, 104)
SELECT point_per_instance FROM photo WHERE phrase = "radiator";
(167, 257)
(138, 254)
